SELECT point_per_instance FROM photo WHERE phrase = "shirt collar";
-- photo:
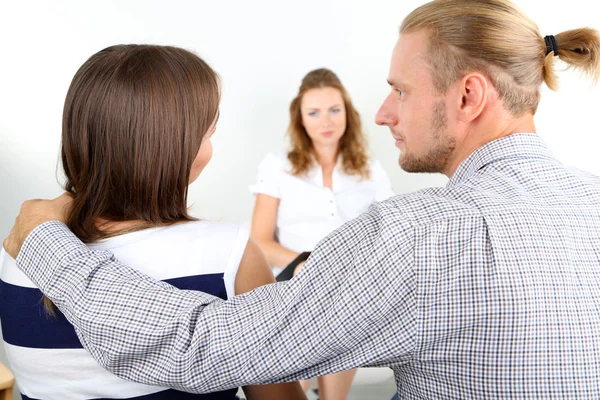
(315, 175)
(518, 145)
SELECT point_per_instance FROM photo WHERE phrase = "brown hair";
(133, 121)
(352, 145)
(495, 38)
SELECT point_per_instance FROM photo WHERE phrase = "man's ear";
(472, 96)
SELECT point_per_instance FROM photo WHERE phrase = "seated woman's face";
(204, 154)
(323, 115)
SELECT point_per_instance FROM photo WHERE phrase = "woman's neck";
(326, 156)
(116, 228)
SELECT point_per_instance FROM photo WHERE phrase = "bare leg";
(336, 386)
(306, 384)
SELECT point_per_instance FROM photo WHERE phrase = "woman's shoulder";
(208, 230)
(275, 164)
(173, 236)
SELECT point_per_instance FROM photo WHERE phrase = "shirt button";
(332, 214)
(331, 201)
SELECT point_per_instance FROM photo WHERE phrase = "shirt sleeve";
(233, 264)
(267, 181)
(382, 182)
(355, 294)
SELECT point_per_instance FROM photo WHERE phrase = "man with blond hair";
(488, 287)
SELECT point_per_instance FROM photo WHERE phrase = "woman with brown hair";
(326, 180)
(137, 125)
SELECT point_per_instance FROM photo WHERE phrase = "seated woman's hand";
(298, 267)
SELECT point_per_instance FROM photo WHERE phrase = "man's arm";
(354, 294)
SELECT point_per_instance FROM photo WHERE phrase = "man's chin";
(416, 166)
(407, 164)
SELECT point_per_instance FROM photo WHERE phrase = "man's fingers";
(34, 213)
(27, 204)
(65, 200)
(66, 196)
(12, 243)
(14, 231)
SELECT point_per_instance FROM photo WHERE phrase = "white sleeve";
(382, 182)
(267, 181)
(233, 264)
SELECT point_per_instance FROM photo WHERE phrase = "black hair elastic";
(551, 45)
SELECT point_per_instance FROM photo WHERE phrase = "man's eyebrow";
(396, 83)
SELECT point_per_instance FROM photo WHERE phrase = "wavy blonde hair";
(352, 146)
(495, 38)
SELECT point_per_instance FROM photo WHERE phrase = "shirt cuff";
(47, 247)
(262, 188)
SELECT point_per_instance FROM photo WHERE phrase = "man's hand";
(32, 214)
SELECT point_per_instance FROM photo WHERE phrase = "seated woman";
(137, 125)
(325, 180)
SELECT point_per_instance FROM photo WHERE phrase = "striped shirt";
(44, 352)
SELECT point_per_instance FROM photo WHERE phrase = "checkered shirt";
(487, 288)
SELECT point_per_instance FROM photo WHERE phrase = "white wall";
(261, 49)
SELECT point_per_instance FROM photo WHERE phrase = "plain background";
(261, 49)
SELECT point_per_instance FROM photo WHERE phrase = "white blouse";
(308, 210)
